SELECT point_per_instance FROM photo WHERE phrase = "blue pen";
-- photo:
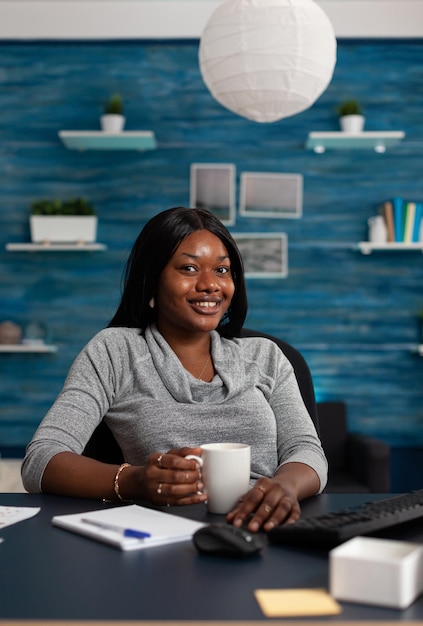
(126, 532)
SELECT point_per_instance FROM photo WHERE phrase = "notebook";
(162, 527)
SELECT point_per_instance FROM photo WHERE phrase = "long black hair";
(151, 252)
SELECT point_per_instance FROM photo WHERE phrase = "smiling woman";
(171, 373)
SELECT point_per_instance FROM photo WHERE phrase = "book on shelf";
(398, 207)
(410, 212)
(403, 220)
(418, 228)
(388, 214)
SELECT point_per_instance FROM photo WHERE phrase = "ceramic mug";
(226, 473)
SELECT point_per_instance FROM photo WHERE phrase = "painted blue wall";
(354, 317)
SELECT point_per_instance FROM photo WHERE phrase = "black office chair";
(103, 447)
(357, 463)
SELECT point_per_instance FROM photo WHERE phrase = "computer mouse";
(226, 540)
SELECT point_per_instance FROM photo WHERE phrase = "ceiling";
(157, 19)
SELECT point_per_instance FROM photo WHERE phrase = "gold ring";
(159, 460)
(159, 489)
(262, 489)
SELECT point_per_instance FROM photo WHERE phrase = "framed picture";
(271, 195)
(265, 255)
(212, 187)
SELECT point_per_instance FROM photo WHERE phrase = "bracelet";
(116, 481)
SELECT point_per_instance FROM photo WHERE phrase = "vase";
(112, 123)
(63, 228)
(378, 233)
(10, 333)
(352, 123)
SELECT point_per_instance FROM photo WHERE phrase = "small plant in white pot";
(113, 120)
(351, 117)
(53, 221)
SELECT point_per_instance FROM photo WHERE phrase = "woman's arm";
(166, 479)
(71, 474)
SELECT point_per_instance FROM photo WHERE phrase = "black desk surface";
(47, 573)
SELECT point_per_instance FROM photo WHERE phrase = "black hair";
(151, 252)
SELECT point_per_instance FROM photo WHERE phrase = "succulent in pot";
(113, 120)
(351, 116)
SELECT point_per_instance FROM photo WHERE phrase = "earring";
(151, 303)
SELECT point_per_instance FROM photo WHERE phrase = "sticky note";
(296, 602)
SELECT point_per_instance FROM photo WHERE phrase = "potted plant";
(351, 117)
(113, 120)
(54, 221)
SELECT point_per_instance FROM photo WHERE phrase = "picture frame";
(271, 195)
(212, 187)
(265, 255)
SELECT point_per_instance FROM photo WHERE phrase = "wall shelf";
(367, 247)
(22, 348)
(340, 140)
(140, 140)
(55, 247)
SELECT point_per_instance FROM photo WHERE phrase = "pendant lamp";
(267, 59)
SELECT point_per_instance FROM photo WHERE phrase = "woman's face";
(196, 287)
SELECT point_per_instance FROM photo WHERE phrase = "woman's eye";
(188, 268)
(223, 270)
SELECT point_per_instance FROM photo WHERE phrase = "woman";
(169, 374)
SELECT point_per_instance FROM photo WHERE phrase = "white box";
(376, 571)
(63, 228)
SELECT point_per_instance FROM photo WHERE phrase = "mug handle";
(195, 458)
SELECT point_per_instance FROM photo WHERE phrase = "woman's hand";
(273, 501)
(169, 479)
(268, 504)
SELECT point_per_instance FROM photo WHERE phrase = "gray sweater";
(151, 403)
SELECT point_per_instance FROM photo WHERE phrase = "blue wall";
(354, 317)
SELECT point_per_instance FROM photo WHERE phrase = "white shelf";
(367, 247)
(340, 140)
(28, 348)
(99, 140)
(55, 247)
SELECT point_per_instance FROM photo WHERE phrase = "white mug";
(226, 473)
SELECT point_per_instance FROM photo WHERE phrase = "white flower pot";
(111, 123)
(63, 228)
(352, 123)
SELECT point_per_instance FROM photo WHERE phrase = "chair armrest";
(369, 461)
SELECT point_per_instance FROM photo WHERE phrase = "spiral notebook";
(112, 526)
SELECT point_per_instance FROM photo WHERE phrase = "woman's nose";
(207, 281)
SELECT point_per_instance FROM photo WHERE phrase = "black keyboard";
(331, 529)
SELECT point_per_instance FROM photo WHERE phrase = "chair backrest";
(102, 446)
(334, 433)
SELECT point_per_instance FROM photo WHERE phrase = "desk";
(47, 573)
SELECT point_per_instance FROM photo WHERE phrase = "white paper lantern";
(267, 59)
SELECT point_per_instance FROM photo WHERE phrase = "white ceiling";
(152, 19)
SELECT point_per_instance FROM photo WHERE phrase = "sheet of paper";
(296, 602)
(13, 514)
(163, 527)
